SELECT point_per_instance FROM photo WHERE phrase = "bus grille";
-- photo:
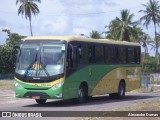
(37, 88)
(41, 94)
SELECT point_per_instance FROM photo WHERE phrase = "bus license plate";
(36, 97)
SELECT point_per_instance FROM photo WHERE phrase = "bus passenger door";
(69, 88)
(72, 59)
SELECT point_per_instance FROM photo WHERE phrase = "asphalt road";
(99, 103)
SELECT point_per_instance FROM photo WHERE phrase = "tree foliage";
(27, 8)
(152, 14)
(7, 55)
(149, 65)
(122, 28)
(95, 34)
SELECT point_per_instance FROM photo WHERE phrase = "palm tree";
(152, 14)
(95, 34)
(121, 27)
(27, 8)
(144, 39)
(153, 43)
(112, 33)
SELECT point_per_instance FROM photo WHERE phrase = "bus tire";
(82, 95)
(41, 101)
(121, 90)
(112, 95)
(90, 98)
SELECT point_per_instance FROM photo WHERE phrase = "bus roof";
(76, 38)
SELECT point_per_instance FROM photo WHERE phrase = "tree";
(27, 8)
(113, 32)
(7, 55)
(155, 44)
(13, 38)
(149, 64)
(121, 28)
(152, 14)
(143, 39)
(95, 34)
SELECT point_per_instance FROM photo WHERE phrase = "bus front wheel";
(41, 101)
(82, 95)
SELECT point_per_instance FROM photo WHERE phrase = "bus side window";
(106, 54)
(72, 56)
(137, 54)
(112, 54)
(91, 53)
(99, 54)
(79, 54)
(131, 55)
(85, 54)
(122, 55)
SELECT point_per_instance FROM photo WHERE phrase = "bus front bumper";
(21, 92)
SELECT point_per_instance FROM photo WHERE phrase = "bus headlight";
(58, 85)
(18, 85)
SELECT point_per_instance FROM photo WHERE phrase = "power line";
(94, 13)
(74, 14)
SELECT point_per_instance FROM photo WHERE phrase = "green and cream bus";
(75, 67)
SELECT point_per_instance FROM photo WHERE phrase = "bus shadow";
(91, 101)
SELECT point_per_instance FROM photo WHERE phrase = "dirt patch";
(153, 105)
(140, 90)
(8, 97)
(145, 106)
(6, 84)
(118, 118)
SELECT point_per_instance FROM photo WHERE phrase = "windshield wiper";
(29, 67)
(44, 67)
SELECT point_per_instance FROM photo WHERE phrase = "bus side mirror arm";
(16, 47)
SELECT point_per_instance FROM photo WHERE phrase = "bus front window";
(53, 58)
(43, 60)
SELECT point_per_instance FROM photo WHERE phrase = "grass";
(6, 84)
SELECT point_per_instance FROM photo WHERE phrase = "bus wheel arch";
(82, 92)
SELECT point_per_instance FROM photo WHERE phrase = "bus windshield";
(41, 60)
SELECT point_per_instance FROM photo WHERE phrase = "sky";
(67, 17)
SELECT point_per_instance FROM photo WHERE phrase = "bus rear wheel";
(41, 101)
(121, 92)
(113, 95)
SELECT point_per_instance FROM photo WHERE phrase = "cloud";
(67, 17)
(71, 3)
(52, 7)
(80, 30)
(59, 26)
(71, 19)
(4, 24)
(110, 3)
(3, 35)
